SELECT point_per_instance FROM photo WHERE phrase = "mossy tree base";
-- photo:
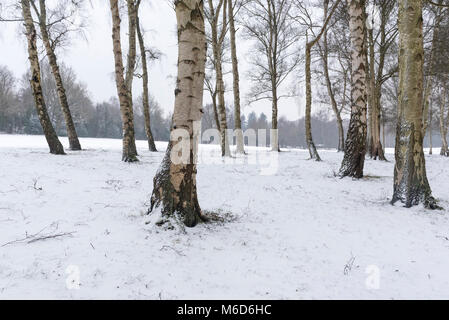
(313, 151)
(411, 186)
(355, 149)
(75, 145)
(175, 192)
(129, 153)
(132, 158)
(56, 147)
(377, 152)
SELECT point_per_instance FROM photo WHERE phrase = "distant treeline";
(102, 120)
(291, 133)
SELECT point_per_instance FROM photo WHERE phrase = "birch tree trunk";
(411, 186)
(236, 83)
(383, 129)
(35, 81)
(214, 106)
(225, 148)
(145, 95)
(429, 84)
(309, 45)
(370, 78)
(129, 152)
(430, 129)
(376, 147)
(131, 66)
(272, 66)
(355, 146)
(330, 91)
(175, 191)
(444, 126)
(308, 122)
(274, 135)
(74, 143)
(217, 45)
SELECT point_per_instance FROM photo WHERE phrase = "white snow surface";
(301, 233)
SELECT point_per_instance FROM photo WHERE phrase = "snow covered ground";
(300, 233)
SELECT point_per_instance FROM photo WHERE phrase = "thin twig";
(38, 237)
(52, 236)
(177, 251)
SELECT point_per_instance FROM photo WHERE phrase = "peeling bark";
(52, 60)
(411, 186)
(175, 191)
(35, 82)
(355, 146)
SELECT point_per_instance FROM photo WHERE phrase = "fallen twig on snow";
(349, 265)
(177, 251)
(443, 237)
(35, 185)
(31, 240)
(52, 236)
(39, 237)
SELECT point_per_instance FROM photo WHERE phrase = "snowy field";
(300, 233)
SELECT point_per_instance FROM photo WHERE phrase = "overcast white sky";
(93, 62)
